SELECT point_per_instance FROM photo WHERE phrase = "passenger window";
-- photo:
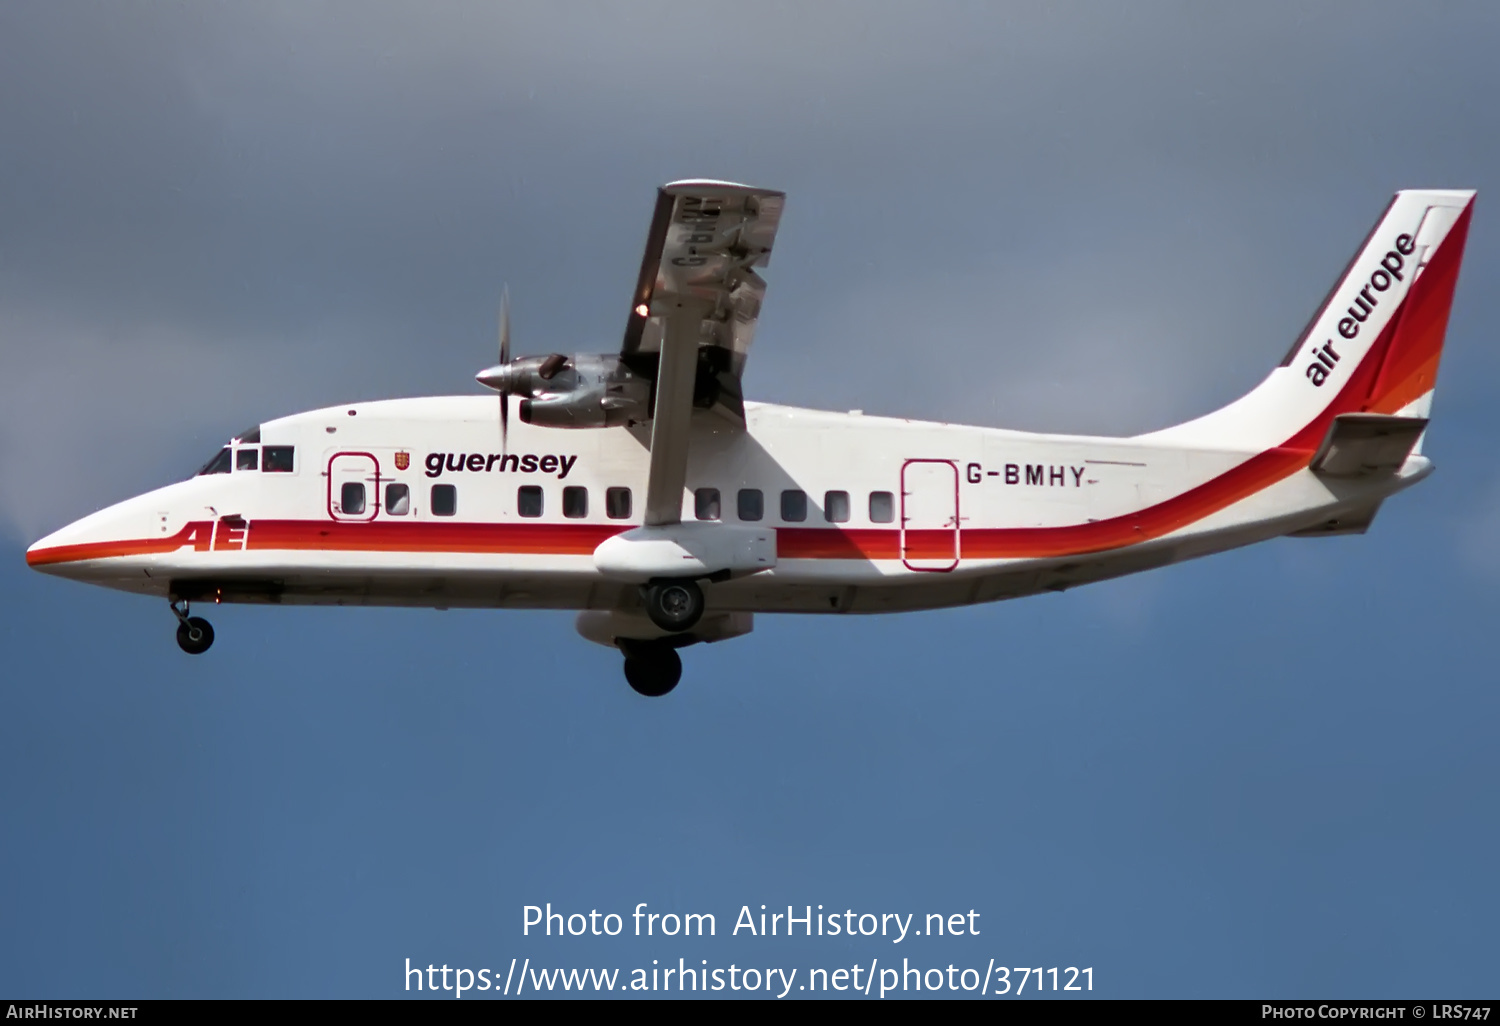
(706, 504)
(397, 500)
(247, 459)
(529, 500)
(617, 503)
(882, 507)
(836, 507)
(218, 465)
(752, 505)
(277, 459)
(444, 500)
(575, 502)
(793, 506)
(352, 499)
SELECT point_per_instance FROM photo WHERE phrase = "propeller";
(507, 379)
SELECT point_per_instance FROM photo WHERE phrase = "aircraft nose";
(61, 550)
(73, 551)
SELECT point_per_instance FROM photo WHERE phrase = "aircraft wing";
(706, 240)
(693, 315)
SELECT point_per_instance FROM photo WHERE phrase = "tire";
(195, 636)
(654, 673)
(674, 605)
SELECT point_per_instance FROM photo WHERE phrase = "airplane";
(643, 490)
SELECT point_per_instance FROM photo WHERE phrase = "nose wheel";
(194, 634)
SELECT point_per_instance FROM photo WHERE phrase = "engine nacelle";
(686, 550)
(586, 409)
(573, 392)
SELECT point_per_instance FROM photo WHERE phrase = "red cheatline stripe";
(106, 550)
(833, 543)
(548, 539)
(332, 536)
(1399, 368)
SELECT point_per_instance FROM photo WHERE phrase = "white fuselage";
(958, 515)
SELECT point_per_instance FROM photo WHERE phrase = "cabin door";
(929, 515)
(353, 486)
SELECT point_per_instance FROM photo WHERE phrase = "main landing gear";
(194, 634)
(673, 605)
(653, 667)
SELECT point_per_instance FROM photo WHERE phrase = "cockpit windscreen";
(220, 464)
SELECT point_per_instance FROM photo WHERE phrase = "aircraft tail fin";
(1374, 344)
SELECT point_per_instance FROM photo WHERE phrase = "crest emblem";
(403, 460)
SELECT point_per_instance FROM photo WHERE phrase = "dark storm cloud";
(1061, 217)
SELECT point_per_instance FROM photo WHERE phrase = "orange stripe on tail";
(1409, 370)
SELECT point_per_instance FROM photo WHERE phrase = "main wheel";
(654, 672)
(195, 635)
(674, 605)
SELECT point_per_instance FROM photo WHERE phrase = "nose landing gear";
(194, 634)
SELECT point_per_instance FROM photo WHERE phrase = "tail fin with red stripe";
(1373, 346)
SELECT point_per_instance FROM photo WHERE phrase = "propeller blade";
(505, 325)
(504, 359)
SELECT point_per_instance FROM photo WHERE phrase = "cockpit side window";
(218, 465)
(277, 459)
(247, 458)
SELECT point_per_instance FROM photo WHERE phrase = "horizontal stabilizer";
(1354, 522)
(1367, 444)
